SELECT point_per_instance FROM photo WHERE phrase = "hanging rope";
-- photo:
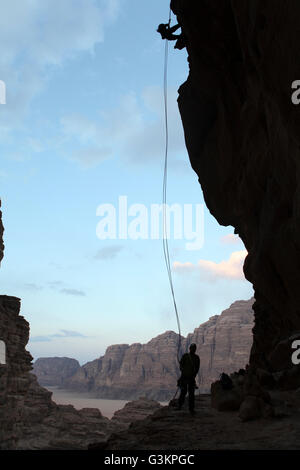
(165, 180)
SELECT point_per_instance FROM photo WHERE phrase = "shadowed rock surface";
(126, 372)
(242, 136)
(29, 418)
(136, 410)
(210, 429)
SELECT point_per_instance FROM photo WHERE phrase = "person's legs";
(191, 388)
(183, 392)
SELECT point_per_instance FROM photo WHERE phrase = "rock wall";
(54, 370)
(126, 372)
(224, 342)
(29, 418)
(242, 135)
(1, 236)
(14, 375)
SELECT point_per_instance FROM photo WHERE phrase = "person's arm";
(174, 28)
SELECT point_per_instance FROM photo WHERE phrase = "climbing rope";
(165, 180)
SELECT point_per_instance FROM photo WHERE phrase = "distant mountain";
(54, 370)
(151, 369)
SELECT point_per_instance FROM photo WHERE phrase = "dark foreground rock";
(136, 410)
(210, 429)
(242, 135)
(29, 418)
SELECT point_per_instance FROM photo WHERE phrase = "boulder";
(225, 400)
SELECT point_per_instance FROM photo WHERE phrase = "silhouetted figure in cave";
(167, 32)
(189, 366)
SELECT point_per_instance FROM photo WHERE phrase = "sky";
(82, 153)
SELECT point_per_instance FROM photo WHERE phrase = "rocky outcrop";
(45, 425)
(242, 135)
(14, 374)
(126, 372)
(1, 236)
(136, 410)
(29, 418)
(223, 342)
(54, 370)
(208, 429)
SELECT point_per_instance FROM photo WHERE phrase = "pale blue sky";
(83, 125)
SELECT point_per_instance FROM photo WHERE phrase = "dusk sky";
(83, 126)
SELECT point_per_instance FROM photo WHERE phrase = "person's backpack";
(226, 381)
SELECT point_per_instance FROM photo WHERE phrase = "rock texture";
(126, 372)
(136, 410)
(29, 418)
(54, 370)
(209, 429)
(224, 342)
(242, 136)
(1, 236)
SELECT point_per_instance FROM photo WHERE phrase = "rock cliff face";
(29, 418)
(14, 374)
(242, 136)
(224, 342)
(1, 237)
(126, 372)
(54, 370)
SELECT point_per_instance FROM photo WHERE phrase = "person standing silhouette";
(189, 366)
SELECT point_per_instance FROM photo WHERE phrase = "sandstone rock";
(29, 418)
(265, 378)
(209, 429)
(224, 342)
(242, 135)
(250, 408)
(54, 370)
(136, 410)
(254, 407)
(126, 372)
(289, 379)
(1, 236)
(251, 386)
(225, 400)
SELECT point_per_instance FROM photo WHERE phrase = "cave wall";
(242, 136)
(14, 374)
(1, 236)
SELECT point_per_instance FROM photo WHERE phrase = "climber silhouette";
(189, 366)
(167, 32)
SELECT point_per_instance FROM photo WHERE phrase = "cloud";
(108, 252)
(55, 284)
(64, 334)
(38, 36)
(135, 127)
(69, 334)
(40, 339)
(229, 269)
(75, 292)
(32, 286)
(230, 239)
